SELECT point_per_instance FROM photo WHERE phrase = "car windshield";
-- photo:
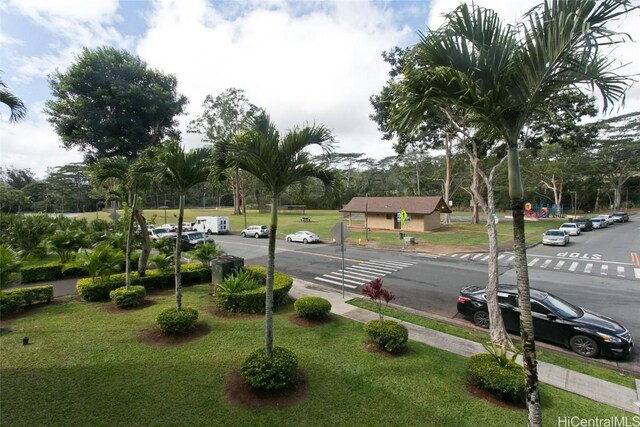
(195, 236)
(555, 233)
(568, 226)
(160, 230)
(563, 308)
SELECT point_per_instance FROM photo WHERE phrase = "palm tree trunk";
(127, 261)
(524, 295)
(146, 244)
(178, 254)
(270, 273)
(447, 176)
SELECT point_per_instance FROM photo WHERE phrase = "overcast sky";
(303, 61)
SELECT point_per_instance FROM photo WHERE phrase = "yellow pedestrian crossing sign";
(403, 216)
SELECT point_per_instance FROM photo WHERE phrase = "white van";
(212, 224)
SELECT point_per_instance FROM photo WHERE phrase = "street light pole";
(575, 204)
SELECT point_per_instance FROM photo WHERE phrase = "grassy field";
(543, 354)
(459, 234)
(86, 366)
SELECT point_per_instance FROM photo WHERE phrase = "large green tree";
(278, 162)
(503, 74)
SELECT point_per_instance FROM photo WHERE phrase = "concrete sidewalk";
(584, 385)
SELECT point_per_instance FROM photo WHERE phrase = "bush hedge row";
(314, 308)
(388, 334)
(51, 271)
(252, 301)
(128, 298)
(505, 382)
(99, 291)
(16, 299)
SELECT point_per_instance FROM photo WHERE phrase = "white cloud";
(319, 66)
(33, 144)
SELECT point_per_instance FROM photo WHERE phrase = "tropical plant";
(278, 163)
(18, 110)
(377, 293)
(500, 353)
(182, 170)
(206, 254)
(162, 262)
(239, 282)
(9, 264)
(502, 75)
(66, 243)
(100, 262)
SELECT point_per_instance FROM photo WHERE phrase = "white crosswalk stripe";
(588, 267)
(465, 256)
(637, 272)
(559, 265)
(360, 274)
(573, 266)
(604, 269)
(533, 262)
(545, 264)
(620, 271)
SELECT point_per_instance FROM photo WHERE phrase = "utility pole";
(366, 217)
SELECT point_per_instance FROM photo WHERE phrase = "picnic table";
(305, 219)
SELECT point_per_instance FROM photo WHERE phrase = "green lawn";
(461, 234)
(544, 355)
(85, 366)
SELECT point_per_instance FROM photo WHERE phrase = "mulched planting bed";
(309, 323)
(217, 311)
(153, 336)
(112, 308)
(372, 347)
(240, 392)
(480, 393)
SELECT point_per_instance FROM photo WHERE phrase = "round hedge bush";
(270, 373)
(388, 334)
(505, 382)
(174, 322)
(314, 308)
(128, 298)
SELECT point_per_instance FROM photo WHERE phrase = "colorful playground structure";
(543, 211)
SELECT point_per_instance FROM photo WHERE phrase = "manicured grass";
(85, 366)
(482, 337)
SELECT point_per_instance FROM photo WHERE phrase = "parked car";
(302, 236)
(159, 233)
(554, 320)
(620, 217)
(555, 237)
(571, 228)
(599, 222)
(256, 231)
(584, 224)
(194, 238)
(170, 227)
(608, 218)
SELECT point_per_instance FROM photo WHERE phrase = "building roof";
(412, 205)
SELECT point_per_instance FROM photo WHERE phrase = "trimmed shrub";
(173, 322)
(270, 373)
(99, 290)
(16, 299)
(48, 272)
(505, 382)
(239, 282)
(253, 300)
(128, 298)
(388, 334)
(314, 308)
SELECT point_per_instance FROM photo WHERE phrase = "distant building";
(382, 212)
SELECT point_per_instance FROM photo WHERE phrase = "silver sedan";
(302, 236)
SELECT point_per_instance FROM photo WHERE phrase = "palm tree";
(504, 74)
(18, 110)
(182, 170)
(277, 163)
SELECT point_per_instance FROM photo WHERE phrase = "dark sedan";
(554, 320)
(584, 224)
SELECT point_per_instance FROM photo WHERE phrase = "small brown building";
(382, 212)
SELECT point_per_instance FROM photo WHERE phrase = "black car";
(554, 320)
(585, 224)
(620, 217)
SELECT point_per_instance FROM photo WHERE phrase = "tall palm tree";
(17, 107)
(503, 75)
(182, 170)
(278, 163)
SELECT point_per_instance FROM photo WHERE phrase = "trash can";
(401, 236)
(226, 265)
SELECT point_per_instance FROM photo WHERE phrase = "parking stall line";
(573, 266)
(604, 269)
(533, 262)
(620, 271)
(559, 265)
(545, 264)
(588, 267)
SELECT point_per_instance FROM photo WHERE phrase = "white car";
(608, 218)
(555, 237)
(599, 222)
(158, 233)
(302, 236)
(256, 231)
(571, 228)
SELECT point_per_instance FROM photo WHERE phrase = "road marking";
(511, 258)
(339, 277)
(358, 274)
(559, 265)
(454, 255)
(573, 266)
(604, 270)
(464, 256)
(368, 270)
(635, 260)
(501, 256)
(620, 271)
(485, 258)
(637, 272)
(384, 264)
(395, 263)
(378, 267)
(587, 268)
(476, 256)
(534, 262)
(352, 276)
(335, 283)
(546, 263)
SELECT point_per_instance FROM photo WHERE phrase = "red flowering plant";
(377, 293)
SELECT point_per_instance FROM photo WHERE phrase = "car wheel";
(305, 241)
(257, 236)
(244, 234)
(288, 239)
(481, 318)
(584, 346)
(209, 232)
